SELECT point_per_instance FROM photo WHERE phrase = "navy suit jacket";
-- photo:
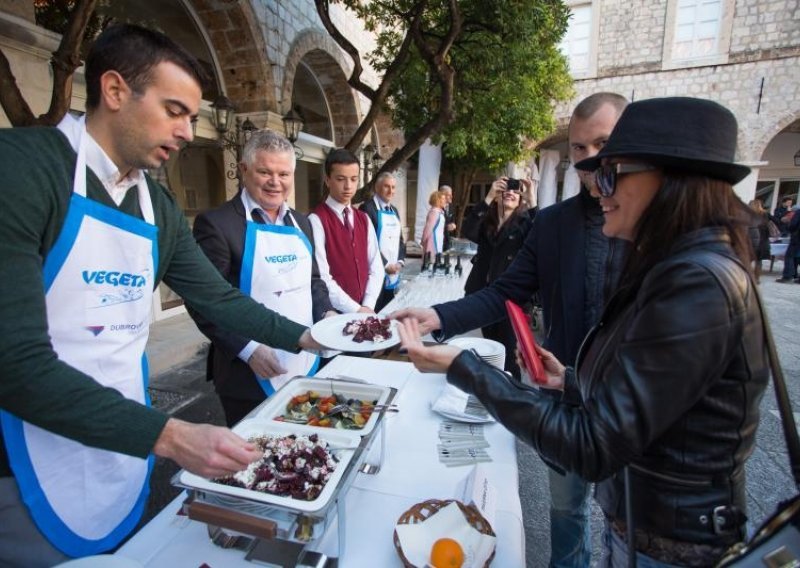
(220, 233)
(552, 261)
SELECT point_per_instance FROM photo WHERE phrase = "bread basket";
(423, 511)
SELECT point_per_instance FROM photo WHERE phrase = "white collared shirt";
(249, 205)
(107, 171)
(339, 298)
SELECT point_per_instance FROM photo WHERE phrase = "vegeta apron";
(98, 281)
(438, 234)
(276, 272)
(389, 243)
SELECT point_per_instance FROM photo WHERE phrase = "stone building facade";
(744, 54)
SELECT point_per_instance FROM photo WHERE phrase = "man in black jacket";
(266, 249)
(385, 219)
(449, 216)
(574, 268)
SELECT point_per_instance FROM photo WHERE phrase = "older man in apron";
(264, 248)
(385, 219)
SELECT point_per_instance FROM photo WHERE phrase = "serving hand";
(435, 359)
(427, 318)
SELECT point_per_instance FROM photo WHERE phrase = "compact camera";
(512, 185)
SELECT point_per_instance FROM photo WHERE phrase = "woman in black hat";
(667, 385)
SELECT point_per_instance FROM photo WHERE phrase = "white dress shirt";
(107, 171)
(339, 298)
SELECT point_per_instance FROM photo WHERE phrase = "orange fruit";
(447, 553)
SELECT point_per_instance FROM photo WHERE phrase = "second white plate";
(328, 332)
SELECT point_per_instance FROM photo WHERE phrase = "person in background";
(434, 230)
(346, 246)
(498, 225)
(265, 248)
(791, 257)
(780, 212)
(574, 267)
(86, 238)
(682, 338)
(759, 236)
(385, 220)
(449, 216)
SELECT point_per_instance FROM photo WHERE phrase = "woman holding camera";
(670, 380)
(498, 225)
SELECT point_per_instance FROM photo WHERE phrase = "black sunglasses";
(606, 175)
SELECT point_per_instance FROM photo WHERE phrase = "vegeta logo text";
(125, 287)
(281, 258)
(114, 278)
(284, 263)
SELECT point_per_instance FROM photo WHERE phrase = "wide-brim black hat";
(686, 134)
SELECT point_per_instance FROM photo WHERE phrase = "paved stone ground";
(185, 393)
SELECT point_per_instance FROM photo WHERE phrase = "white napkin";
(451, 400)
(449, 522)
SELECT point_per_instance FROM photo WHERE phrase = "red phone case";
(526, 342)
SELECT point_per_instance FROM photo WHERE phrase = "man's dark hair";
(133, 52)
(591, 104)
(339, 156)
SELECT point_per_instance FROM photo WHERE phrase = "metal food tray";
(275, 405)
(258, 427)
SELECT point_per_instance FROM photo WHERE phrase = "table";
(777, 249)
(411, 473)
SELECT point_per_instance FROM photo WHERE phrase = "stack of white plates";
(490, 351)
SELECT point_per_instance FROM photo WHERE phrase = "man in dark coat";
(235, 237)
(385, 219)
(574, 267)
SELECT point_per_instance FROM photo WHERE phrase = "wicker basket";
(422, 511)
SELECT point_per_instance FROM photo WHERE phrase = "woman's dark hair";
(491, 223)
(685, 203)
(133, 52)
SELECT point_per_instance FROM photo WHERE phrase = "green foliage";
(509, 73)
(55, 15)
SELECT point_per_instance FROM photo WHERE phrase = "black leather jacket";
(670, 385)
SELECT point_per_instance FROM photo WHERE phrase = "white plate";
(486, 348)
(247, 428)
(328, 332)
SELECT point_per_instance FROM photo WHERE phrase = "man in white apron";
(85, 239)
(385, 219)
(265, 249)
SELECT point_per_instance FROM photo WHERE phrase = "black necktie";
(388, 208)
(257, 216)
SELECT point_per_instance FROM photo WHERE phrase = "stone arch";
(235, 35)
(323, 56)
(758, 144)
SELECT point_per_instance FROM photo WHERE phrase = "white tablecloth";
(778, 248)
(411, 473)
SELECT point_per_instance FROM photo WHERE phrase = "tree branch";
(355, 77)
(14, 104)
(65, 60)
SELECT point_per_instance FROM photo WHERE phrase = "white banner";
(430, 161)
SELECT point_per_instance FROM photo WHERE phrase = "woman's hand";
(436, 359)
(531, 191)
(553, 369)
(497, 189)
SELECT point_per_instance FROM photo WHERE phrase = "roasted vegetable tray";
(305, 400)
